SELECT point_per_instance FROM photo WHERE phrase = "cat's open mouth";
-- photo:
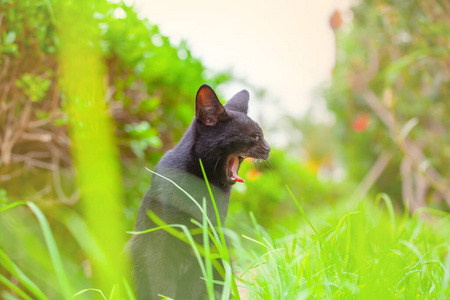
(233, 168)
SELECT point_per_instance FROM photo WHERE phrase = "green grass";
(364, 253)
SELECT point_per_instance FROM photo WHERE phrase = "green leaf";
(10, 37)
(149, 104)
(154, 142)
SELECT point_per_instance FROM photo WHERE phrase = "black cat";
(222, 137)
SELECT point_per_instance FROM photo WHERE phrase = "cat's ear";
(239, 102)
(208, 108)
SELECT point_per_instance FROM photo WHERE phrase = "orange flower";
(336, 20)
(252, 175)
(361, 123)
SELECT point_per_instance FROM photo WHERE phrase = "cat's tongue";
(234, 165)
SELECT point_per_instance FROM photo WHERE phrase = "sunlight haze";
(286, 48)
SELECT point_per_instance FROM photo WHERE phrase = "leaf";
(393, 70)
(10, 37)
(149, 104)
(154, 142)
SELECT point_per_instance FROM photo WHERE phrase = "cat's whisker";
(211, 150)
(272, 158)
(258, 163)
(261, 164)
(215, 167)
(268, 163)
(255, 164)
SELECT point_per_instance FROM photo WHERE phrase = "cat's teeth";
(232, 178)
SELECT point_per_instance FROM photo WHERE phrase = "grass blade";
(209, 271)
(90, 290)
(129, 290)
(190, 197)
(302, 212)
(53, 251)
(226, 292)
(14, 287)
(12, 205)
(390, 207)
(224, 249)
(12, 268)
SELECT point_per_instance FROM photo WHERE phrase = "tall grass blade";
(226, 292)
(302, 212)
(184, 236)
(387, 200)
(93, 146)
(224, 249)
(14, 288)
(90, 290)
(129, 291)
(208, 264)
(266, 247)
(190, 197)
(55, 257)
(80, 231)
(12, 205)
(12, 268)
(446, 278)
(338, 227)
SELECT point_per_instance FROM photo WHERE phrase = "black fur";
(162, 263)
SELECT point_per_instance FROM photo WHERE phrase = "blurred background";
(353, 97)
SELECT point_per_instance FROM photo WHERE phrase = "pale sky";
(284, 47)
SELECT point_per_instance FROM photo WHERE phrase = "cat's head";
(226, 135)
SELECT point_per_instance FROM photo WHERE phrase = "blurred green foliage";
(150, 84)
(33, 87)
(390, 94)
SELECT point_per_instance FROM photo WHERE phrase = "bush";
(389, 94)
(150, 85)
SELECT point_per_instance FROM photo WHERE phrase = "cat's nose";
(266, 146)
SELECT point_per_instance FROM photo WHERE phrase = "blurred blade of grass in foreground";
(93, 149)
